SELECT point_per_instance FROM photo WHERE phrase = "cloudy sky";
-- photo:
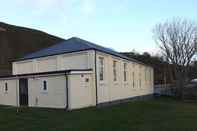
(123, 25)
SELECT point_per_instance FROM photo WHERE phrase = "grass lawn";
(164, 114)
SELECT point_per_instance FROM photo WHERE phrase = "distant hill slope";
(16, 42)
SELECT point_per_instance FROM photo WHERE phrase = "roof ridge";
(74, 44)
(88, 43)
(92, 44)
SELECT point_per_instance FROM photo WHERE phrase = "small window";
(125, 71)
(87, 79)
(44, 85)
(6, 87)
(101, 68)
(115, 70)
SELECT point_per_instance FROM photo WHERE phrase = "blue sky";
(123, 25)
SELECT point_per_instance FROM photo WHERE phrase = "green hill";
(17, 41)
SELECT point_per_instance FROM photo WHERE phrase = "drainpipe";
(17, 95)
(67, 101)
(95, 62)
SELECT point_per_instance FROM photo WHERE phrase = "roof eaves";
(22, 59)
(45, 73)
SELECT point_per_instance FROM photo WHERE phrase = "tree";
(177, 40)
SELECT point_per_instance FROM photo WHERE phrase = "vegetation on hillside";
(163, 71)
(16, 42)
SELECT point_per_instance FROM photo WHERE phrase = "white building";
(75, 74)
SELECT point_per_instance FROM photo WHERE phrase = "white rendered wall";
(81, 91)
(78, 60)
(109, 90)
(10, 96)
(53, 97)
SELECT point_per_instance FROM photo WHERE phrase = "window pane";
(101, 68)
(133, 80)
(140, 82)
(6, 87)
(114, 71)
(125, 72)
(150, 74)
(44, 85)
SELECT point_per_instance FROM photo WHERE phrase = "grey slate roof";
(73, 44)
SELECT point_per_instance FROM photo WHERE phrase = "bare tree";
(177, 40)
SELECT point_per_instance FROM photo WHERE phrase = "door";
(23, 92)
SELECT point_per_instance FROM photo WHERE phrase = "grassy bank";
(163, 114)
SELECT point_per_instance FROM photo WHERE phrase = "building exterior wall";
(110, 90)
(46, 64)
(81, 91)
(53, 97)
(10, 96)
(139, 80)
(77, 60)
(23, 67)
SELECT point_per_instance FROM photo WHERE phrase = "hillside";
(17, 41)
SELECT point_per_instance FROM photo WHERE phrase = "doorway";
(23, 92)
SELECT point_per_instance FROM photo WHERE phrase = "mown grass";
(164, 114)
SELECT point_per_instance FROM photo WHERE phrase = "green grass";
(164, 114)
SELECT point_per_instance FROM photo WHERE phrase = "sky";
(124, 25)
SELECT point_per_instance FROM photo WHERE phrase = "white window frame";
(43, 90)
(133, 76)
(114, 70)
(150, 75)
(145, 75)
(101, 68)
(140, 80)
(6, 87)
(125, 70)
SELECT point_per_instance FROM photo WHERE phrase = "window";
(133, 79)
(6, 87)
(140, 81)
(115, 70)
(125, 71)
(145, 71)
(44, 85)
(150, 75)
(101, 68)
